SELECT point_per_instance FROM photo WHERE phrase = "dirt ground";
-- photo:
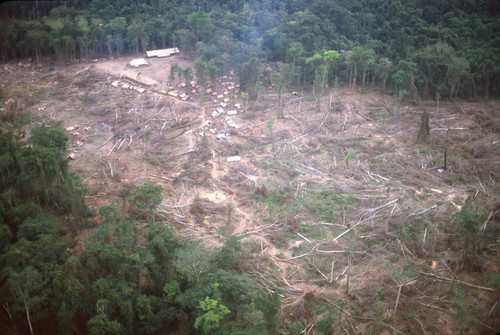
(338, 208)
(157, 70)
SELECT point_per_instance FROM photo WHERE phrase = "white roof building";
(162, 52)
(138, 62)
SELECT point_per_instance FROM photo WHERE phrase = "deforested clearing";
(341, 211)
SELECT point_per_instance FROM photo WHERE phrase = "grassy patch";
(156, 158)
(324, 205)
(328, 206)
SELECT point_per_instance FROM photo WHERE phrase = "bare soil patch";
(158, 70)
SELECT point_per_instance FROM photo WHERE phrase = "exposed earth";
(339, 206)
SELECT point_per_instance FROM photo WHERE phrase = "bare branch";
(485, 225)
(451, 281)
(397, 299)
(312, 169)
(76, 74)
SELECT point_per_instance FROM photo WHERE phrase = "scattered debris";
(183, 96)
(106, 126)
(231, 123)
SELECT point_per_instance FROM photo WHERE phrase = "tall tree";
(332, 59)
(147, 197)
(456, 72)
(320, 81)
(198, 21)
(28, 288)
(383, 69)
(249, 77)
(278, 80)
(116, 30)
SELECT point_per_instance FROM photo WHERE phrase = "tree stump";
(424, 131)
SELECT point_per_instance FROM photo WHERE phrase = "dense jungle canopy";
(450, 48)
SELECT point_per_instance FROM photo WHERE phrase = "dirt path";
(243, 222)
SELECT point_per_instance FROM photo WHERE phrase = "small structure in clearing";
(138, 62)
(162, 52)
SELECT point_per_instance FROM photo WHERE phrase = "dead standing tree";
(424, 131)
